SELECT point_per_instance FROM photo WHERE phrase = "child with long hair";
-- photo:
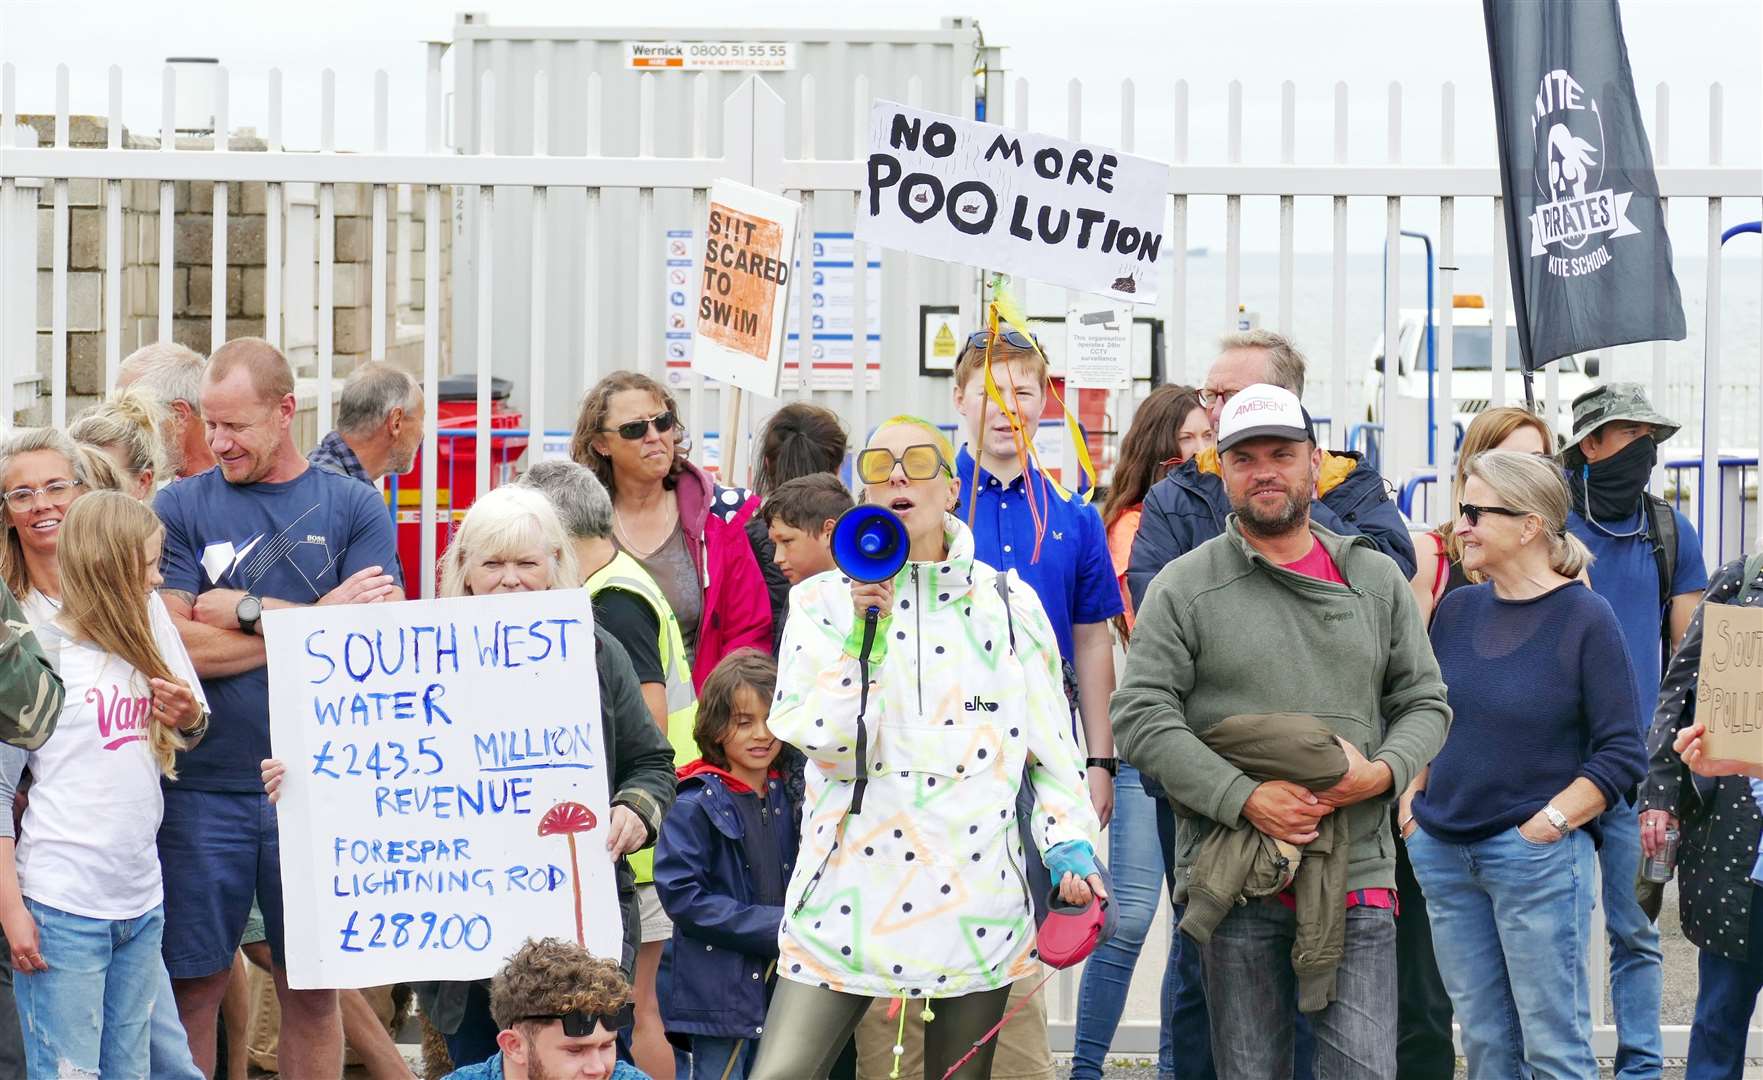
(80, 893)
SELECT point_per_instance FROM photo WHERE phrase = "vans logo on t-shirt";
(121, 720)
(1336, 616)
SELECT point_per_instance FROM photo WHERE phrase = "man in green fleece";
(1281, 615)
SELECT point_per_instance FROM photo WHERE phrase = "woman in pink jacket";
(669, 515)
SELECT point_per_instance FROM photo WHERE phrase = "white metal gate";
(754, 148)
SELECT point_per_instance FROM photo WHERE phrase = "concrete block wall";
(193, 272)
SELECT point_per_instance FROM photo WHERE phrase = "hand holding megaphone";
(869, 544)
(872, 598)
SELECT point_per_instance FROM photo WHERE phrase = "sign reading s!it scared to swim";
(1729, 689)
(1083, 216)
(750, 242)
(445, 796)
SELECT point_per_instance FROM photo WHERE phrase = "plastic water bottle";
(1663, 862)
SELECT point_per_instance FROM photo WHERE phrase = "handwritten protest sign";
(445, 797)
(1729, 693)
(1067, 213)
(750, 239)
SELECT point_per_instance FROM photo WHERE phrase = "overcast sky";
(1419, 43)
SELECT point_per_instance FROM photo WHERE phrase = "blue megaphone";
(870, 543)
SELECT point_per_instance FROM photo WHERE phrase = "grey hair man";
(379, 425)
(172, 373)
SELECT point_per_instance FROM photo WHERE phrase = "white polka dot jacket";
(1719, 822)
(924, 893)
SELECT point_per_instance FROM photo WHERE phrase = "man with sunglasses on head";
(1184, 510)
(560, 1010)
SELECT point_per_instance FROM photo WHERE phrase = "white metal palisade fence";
(755, 152)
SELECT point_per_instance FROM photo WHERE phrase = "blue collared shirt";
(332, 454)
(1074, 576)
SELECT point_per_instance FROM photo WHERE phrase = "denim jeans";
(1506, 897)
(88, 1014)
(168, 1046)
(1136, 860)
(1637, 965)
(1251, 995)
(1185, 1029)
(711, 1058)
(1726, 995)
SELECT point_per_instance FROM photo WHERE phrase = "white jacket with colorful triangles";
(922, 894)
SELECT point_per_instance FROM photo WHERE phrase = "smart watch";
(250, 610)
(1111, 764)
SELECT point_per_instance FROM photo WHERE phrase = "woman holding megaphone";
(924, 688)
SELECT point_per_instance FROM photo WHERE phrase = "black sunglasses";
(1015, 339)
(636, 429)
(1474, 512)
(579, 1024)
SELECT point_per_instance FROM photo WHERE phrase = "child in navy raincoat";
(722, 863)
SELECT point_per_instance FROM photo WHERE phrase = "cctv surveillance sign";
(1083, 216)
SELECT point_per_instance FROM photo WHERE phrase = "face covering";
(1611, 489)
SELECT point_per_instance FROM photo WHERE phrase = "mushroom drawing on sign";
(566, 819)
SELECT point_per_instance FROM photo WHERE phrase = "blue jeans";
(168, 1047)
(1506, 897)
(88, 1015)
(711, 1058)
(1725, 997)
(1251, 997)
(1637, 966)
(1185, 1029)
(1136, 860)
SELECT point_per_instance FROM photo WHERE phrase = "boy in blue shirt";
(1648, 565)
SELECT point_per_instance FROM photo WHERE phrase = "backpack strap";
(1662, 534)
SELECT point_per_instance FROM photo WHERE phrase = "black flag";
(1591, 263)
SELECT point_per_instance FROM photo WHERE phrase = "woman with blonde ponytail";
(80, 892)
(1502, 827)
(129, 428)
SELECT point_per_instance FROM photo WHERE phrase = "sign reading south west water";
(445, 796)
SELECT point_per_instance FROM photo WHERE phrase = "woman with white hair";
(512, 541)
(1502, 826)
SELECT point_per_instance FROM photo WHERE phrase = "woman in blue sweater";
(1503, 826)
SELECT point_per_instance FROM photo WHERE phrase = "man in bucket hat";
(1649, 567)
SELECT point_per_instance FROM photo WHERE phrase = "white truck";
(1472, 378)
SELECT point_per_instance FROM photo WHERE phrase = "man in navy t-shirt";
(263, 530)
(1616, 437)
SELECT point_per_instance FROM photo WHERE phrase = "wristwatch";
(250, 610)
(1557, 819)
(1111, 764)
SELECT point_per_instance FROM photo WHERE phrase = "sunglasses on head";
(1013, 338)
(1473, 513)
(921, 461)
(636, 429)
(579, 1024)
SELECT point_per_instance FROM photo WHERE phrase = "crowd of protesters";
(1372, 768)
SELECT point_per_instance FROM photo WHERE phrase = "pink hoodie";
(737, 609)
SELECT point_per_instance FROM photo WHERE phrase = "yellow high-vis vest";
(624, 572)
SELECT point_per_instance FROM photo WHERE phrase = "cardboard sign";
(1071, 214)
(445, 796)
(1729, 692)
(750, 239)
(1098, 344)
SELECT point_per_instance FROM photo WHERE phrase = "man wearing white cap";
(1279, 615)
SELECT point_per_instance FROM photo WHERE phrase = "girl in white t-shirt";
(80, 897)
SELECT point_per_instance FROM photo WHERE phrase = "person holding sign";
(1716, 809)
(558, 1011)
(264, 530)
(673, 518)
(81, 900)
(910, 883)
(512, 541)
(1502, 828)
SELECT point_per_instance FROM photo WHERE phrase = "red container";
(456, 467)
